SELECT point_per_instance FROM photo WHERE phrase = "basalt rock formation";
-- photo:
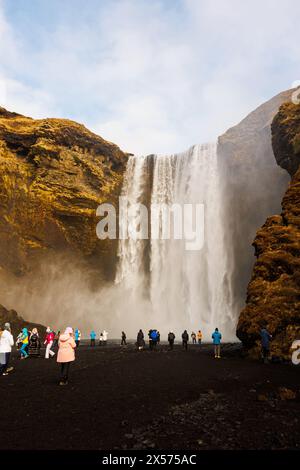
(253, 188)
(17, 322)
(53, 175)
(273, 296)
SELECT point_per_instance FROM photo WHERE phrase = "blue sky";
(151, 76)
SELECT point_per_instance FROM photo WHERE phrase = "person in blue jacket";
(265, 343)
(216, 336)
(93, 338)
(153, 337)
(77, 337)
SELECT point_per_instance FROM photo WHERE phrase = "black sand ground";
(118, 398)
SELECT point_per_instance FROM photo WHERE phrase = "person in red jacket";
(49, 342)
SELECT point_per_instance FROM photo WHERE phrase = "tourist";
(105, 335)
(19, 340)
(216, 336)
(140, 342)
(93, 338)
(153, 338)
(24, 344)
(34, 344)
(101, 339)
(49, 342)
(150, 339)
(193, 336)
(265, 344)
(199, 337)
(66, 354)
(158, 337)
(185, 340)
(56, 339)
(123, 339)
(171, 339)
(6, 343)
(77, 337)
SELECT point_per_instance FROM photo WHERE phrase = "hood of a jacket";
(64, 337)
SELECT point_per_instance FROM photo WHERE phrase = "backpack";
(154, 335)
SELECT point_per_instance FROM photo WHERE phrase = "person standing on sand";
(34, 344)
(153, 338)
(66, 354)
(193, 336)
(56, 339)
(93, 338)
(140, 342)
(19, 340)
(171, 339)
(123, 339)
(199, 337)
(6, 343)
(101, 339)
(216, 336)
(105, 335)
(185, 340)
(77, 337)
(265, 344)
(24, 344)
(158, 337)
(49, 342)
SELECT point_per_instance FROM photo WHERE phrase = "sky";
(151, 76)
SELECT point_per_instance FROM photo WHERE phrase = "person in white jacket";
(105, 335)
(6, 343)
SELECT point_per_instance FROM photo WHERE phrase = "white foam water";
(171, 287)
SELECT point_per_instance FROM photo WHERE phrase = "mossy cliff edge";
(53, 175)
(273, 296)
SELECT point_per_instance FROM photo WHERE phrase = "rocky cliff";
(273, 296)
(253, 185)
(17, 322)
(53, 175)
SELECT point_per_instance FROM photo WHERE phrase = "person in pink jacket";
(66, 354)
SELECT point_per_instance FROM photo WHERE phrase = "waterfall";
(180, 288)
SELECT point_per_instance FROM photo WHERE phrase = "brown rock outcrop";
(17, 322)
(273, 296)
(53, 175)
(253, 185)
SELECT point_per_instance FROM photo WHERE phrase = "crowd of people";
(29, 344)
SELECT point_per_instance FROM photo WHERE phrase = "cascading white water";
(184, 289)
(130, 267)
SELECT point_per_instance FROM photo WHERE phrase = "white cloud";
(155, 76)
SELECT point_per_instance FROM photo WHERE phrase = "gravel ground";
(118, 398)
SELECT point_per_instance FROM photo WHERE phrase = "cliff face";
(17, 322)
(53, 175)
(253, 186)
(273, 295)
